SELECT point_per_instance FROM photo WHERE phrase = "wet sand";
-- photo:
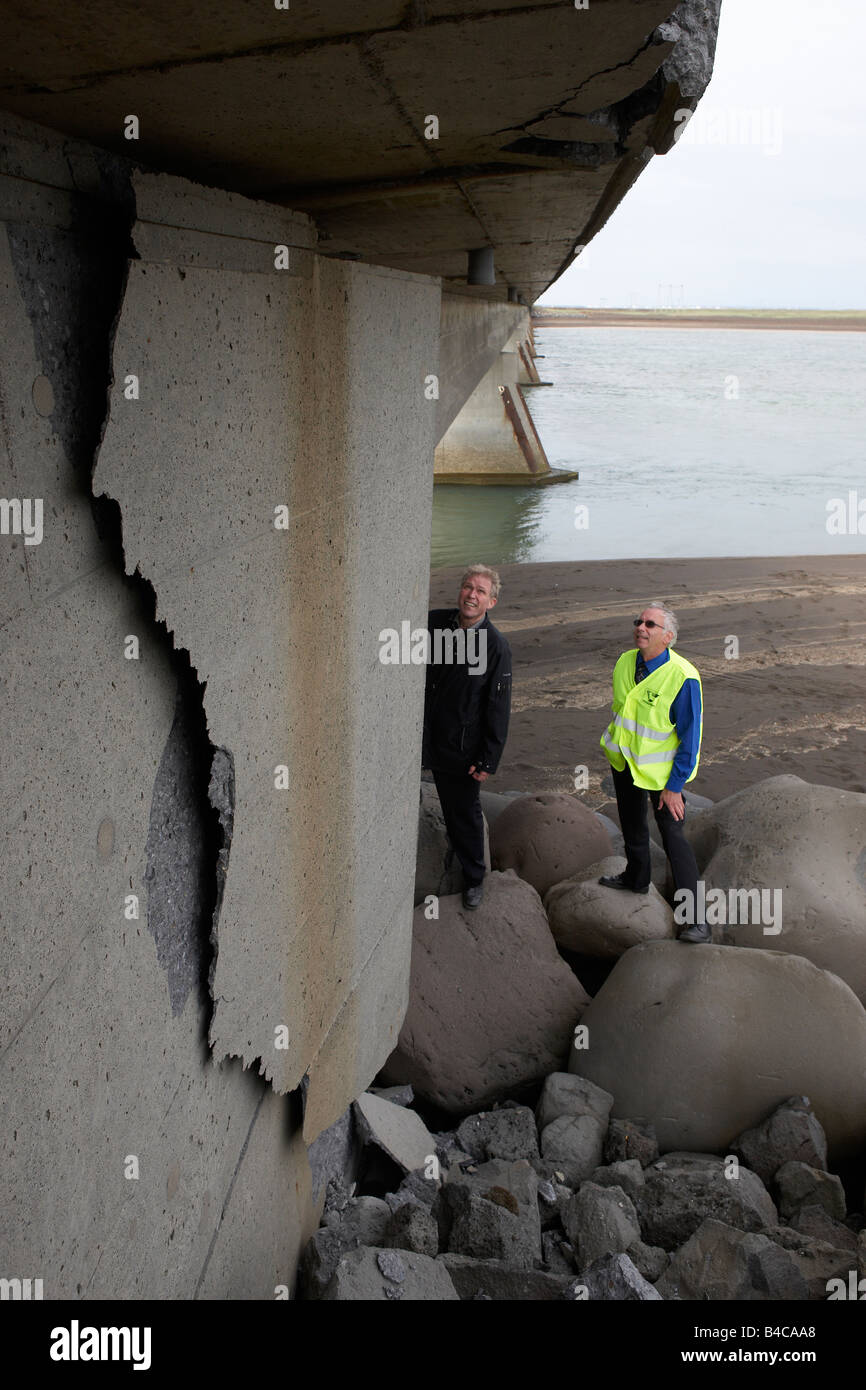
(793, 701)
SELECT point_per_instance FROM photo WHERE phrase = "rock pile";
(670, 1151)
(564, 1204)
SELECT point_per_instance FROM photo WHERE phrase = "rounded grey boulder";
(547, 838)
(492, 1005)
(705, 1041)
(804, 848)
(586, 917)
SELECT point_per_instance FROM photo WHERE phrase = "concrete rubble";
(487, 1223)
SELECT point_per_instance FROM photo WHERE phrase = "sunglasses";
(649, 623)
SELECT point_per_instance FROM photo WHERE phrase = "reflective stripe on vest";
(635, 728)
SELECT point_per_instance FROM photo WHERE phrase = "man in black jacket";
(466, 711)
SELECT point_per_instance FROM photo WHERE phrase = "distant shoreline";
(823, 321)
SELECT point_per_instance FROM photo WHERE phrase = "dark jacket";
(466, 716)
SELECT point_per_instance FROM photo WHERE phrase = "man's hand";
(674, 803)
(479, 776)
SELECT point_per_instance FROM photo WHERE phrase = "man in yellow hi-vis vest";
(653, 744)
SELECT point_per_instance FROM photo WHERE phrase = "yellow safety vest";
(641, 732)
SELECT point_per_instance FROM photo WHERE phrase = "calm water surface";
(688, 442)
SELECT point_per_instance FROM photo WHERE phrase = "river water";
(689, 442)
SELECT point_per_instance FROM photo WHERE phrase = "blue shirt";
(685, 713)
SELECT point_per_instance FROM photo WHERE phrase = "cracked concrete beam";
(605, 89)
(238, 102)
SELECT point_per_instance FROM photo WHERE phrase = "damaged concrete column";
(201, 721)
(258, 489)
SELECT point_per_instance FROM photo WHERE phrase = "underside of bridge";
(258, 260)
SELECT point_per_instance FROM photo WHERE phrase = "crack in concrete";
(225, 1206)
(221, 794)
(189, 833)
(291, 47)
(650, 42)
(376, 69)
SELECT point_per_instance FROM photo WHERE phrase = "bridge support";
(494, 439)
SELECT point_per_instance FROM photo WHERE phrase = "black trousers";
(631, 804)
(459, 796)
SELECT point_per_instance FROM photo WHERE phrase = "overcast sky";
(762, 201)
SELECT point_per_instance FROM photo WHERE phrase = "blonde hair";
(488, 573)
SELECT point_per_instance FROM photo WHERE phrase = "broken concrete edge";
(221, 794)
(679, 84)
(129, 183)
(370, 1068)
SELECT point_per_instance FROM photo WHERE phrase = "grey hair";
(671, 623)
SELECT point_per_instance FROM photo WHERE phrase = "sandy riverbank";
(794, 701)
(815, 321)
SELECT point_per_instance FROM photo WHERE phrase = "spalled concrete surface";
(546, 113)
(263, 400)
(136, 1162)
(132, 1166)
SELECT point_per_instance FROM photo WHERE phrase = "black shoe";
(701, 935)
(620, 882)
(472, 896)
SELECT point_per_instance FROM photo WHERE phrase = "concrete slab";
(400, 1133)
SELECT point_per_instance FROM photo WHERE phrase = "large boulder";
(437, 868)
(593, 920)
(492, 1005)
(547, 838)
(805, 844)
(705, 1041)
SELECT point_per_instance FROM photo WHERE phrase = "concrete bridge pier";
(493, 438)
